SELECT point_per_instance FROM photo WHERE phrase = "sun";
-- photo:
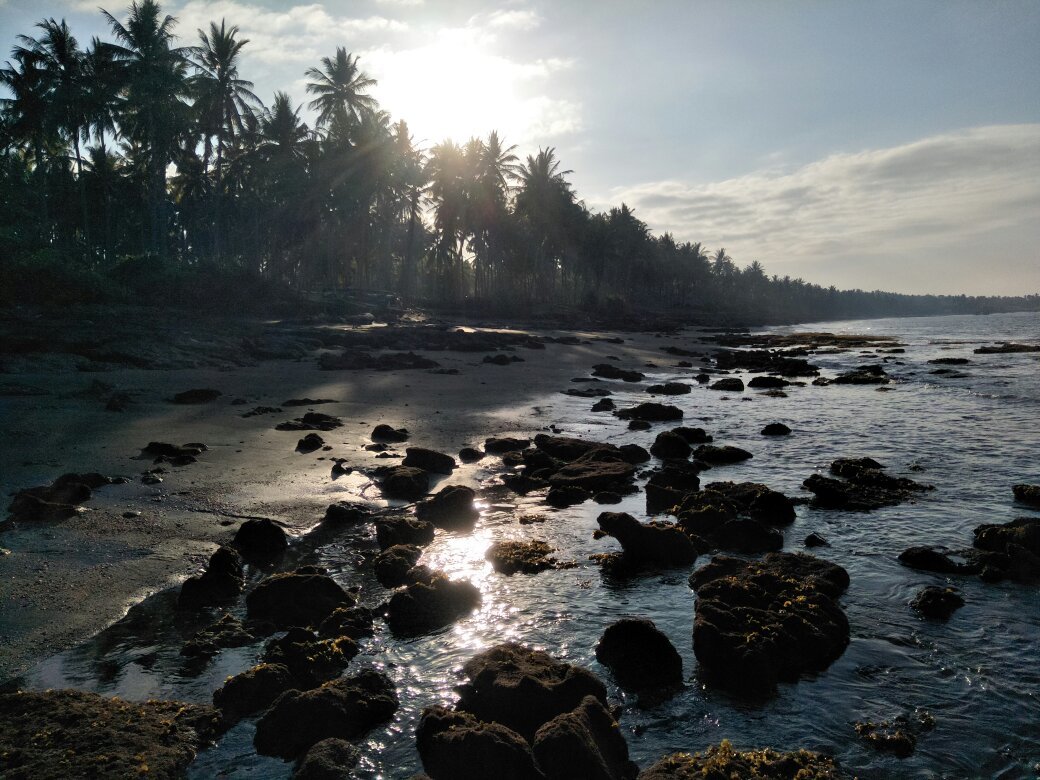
(456, 87)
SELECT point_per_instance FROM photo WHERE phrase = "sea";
(972, 434)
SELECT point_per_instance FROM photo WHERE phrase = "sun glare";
(454, 87)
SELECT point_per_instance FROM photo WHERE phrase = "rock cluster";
(864, 485)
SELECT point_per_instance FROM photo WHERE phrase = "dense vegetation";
(138, 164)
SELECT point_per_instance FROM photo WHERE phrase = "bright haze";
(879, 145)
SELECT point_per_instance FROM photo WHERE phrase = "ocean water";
(977, 674)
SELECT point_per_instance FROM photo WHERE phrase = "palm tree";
(448, 191)
(103, 80)
(340, 89)
(542, 203)
(495, 171)
(222, 99)
(153, 110)
(26, 112)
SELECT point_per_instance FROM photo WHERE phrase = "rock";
(730, 384)
(938, 603)
(1007, 349)
(863, 375)
(670, 445)
(163, 451)
(330, 759)
(563, 496)
(311, 421)
(458, 746)
(1018, 545)
(639, 425)
(776, 429)
(930, 559)
(498, 446)
(692, 435)
(197, 396)
(470, 455)
(393, 564)
(610, 371)
(566, 448)
(594, 472)
(310, 660)
(583, 743)
(640, 657)
(669, 388)
(761, 622)
(511, 557)
(523, 689)
(587, 392)
(346, 513)
(867, 486)
(721, 761)
(405, 483)
(221, 582)
(346, 709)
(815, 540)
(716, 455)
(1027, 494)
(251, 691)
(429, 460)
(309, 401)
(387, 433)
(633, 453)
(754, 499)
(299, 598)
(67, 733)
(785, 362)
(423, 607)
(403, 530)
(950, 361)
(310, 443)
(650, 412)
(607, 497)
(257, 411)
(353, 622)
(450, 508)
(260, 541)
(226, 632)
(669, 485)
(767, 382)
(57, 501)
(898, 737)
(603, 405)
(656, 544)
(502, 360)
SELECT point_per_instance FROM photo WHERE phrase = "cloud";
(521, 19)
(855, 217)
(401, 2)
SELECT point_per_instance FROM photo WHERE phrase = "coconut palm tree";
(340, 87)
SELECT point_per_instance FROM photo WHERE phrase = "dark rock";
(57, 501)
(633, 453)
(309, 401)
(815, 540)
(423, 607)
(310, 443)
(310, 660)
(692, 435)
(585, 742)
(867, 486)
(330, 759)
(502, 360)
(470, 455)
(607, 497)
(651, 412)
(1015, 548)
(640, 657)
(730, 384)
(458, 746)
(353, 622)
(776, 429)
(523, 689)
(587, 392)
(610, 371)
(220, 583)
(898, 737)
(260, 541)
(930, 559)
(346, 708)
(403, 530)
(668, 485)
(1007, 349)
(450, 508)
(387, 433)
(429, 460)
(603, 405)
(655, 544)
(669, 444)
(226, 632)
(950, 361)
(594, 471)
(669, 388)
(405, 483)
(639, 425)
(783, 362)
(761, 622)
(720, 455)
(563, 496)
(299, 598)
(311, 421)
(757, 500)
(251, 691)
(256, 411)
(864, 375)
(938, 603)
(566, 448)
(498, 446)
(767, 382)
(393, 564)
(511, 557)
(721, 762)
(197, 396)
(346, 513)
(67, 734)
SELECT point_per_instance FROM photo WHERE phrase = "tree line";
(133, 156)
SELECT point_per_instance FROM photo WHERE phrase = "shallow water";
(977, 674)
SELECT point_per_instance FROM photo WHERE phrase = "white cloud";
(941, 213)
(401, 2)
(522, 19)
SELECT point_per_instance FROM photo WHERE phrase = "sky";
(876, 145)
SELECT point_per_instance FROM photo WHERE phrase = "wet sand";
(62, 582)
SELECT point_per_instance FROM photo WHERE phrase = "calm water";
(977, 674)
